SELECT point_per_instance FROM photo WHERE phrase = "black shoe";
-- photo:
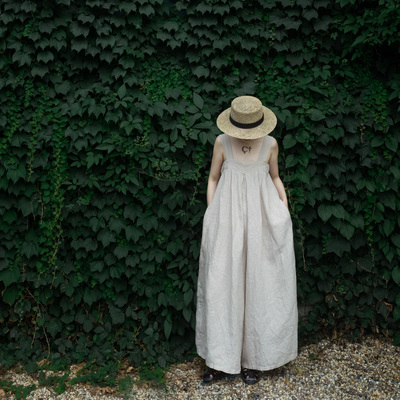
(212, 375)
(250, 376)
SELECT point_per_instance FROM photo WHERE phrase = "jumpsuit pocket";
(209, 206)
(283, 206)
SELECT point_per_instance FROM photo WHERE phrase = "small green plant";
(98, 375)
(56, 382)
(153, 375)
(19, 391)
(125, 386)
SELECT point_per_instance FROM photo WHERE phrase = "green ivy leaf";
(146, 10)
(121, 252)
(338, 211)
(388, 199)
(117, 315)
(219, 62)
(116, 224)
(133, 233)
(315, 114)
(96, 223)
(395, 171)
(63, 88)
(79, 44)
(188, 297)
(231, 20)
(396, 239)
(320, 3)
(167, 326)
(346, 230)
(357, 220)
(302, 136)
(304, 3)
(283, 115)
(220, 44)
(54, 327)
(221, 9)
(201, 71)
(78, 29)
(86, 18)
(90, 296)
(289, 141)
(303, 176)
(97, 266)
(30, 249)
(171, 26)
(28, 7)
(10, 216)
(106, 237)
(337, 245)
(203, 137)
(10, 295)
(291, 160)
(87, 325)
(148, 222)
(325, 211)
(310, 13)
(122, 92)
(322, 24)
(22, 58)
(9, 276)
(350, 124)
(187, 314)
(198, 101)
(203, 8)
(388, 227)
(45, 56)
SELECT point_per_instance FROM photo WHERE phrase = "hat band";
(246, 126)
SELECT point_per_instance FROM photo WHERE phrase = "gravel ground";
(330, 369)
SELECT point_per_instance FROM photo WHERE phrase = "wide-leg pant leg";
(220, 303)
(270, 318)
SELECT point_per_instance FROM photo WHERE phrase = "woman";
(246, 299)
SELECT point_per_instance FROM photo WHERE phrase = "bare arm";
(215, 170)
(274, 172)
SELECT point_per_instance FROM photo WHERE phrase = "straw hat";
(247, 118)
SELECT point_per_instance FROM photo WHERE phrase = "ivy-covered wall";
(107, 121)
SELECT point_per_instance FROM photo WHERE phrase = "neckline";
(247, 142)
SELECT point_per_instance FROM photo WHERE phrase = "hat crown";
(246, 109)
(247, 118)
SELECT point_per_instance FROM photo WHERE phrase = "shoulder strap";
(267, 143)
(227, 146)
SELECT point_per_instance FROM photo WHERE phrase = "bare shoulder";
(218, 147)
(274, 143)
(218, 144)
(273, 150)
(274, 146)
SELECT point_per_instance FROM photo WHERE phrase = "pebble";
(337, 369)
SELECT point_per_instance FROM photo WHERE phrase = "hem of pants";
(270, 367)
(234, 371)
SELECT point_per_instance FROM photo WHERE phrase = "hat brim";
(266, 127)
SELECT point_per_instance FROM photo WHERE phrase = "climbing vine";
(107, 126)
